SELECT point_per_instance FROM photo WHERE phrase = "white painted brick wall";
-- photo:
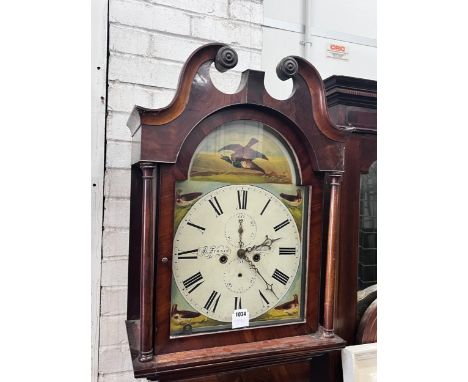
(128, 40)
(117, 126)
(123, 97)
(246, 10)
(175, 48)
(116, 213)
(227, 31)
(118, 154)
(143, 70)
(208, 7)
(113, 301)
(117, 377)
(114, 272)
(115, 243)
(114, 358)
(149, 16)
(117, 184)
(113, 331)
(149, 40)
(227, 82)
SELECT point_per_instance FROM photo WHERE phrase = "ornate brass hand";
(265, 246)
(242, 254)
(241, 231)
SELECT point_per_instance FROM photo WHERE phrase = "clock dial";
(237, 247)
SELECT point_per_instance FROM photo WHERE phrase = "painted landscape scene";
(242, 152)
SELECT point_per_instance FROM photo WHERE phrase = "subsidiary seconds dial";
(255, 252)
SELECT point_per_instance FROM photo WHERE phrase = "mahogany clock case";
(164, 140)
(169, 174)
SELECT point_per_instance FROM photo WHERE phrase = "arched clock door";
(233, 243)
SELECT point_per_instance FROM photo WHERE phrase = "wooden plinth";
(192, 363)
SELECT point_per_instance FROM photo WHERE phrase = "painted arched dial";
(237, 247)
(243, 152)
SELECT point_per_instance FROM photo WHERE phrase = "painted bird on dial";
(183, 317)
(244, 156)
(289, 307)
(292, 200)
(184, 200)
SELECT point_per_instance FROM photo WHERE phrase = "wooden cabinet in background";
(352, 105)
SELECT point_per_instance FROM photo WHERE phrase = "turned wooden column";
(332, 249)
(147, 262)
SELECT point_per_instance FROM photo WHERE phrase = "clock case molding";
(164, 141)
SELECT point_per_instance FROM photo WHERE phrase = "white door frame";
(99, 30)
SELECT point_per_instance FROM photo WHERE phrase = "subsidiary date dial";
(257, 258)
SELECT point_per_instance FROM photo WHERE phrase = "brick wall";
(148, 44)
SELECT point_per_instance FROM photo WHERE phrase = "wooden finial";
(287, 68)
(226, 59)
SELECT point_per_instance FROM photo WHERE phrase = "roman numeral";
(287, 251)
(281, 225)
(196, 226)
(196, 286)
(215, 204)
(263, 297)
(237, 303)
(180, 254)
(266, 205)
(212, 300)
(280, 277)
(193, 280)
(242, 200)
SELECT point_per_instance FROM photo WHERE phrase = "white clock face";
(237, 247)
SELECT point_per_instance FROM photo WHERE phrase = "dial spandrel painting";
(239, 223)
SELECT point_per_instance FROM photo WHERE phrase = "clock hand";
(242, 254)
(240, 230)
(266, 243)
(269, 242)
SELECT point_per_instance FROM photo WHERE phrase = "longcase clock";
(232, 245)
